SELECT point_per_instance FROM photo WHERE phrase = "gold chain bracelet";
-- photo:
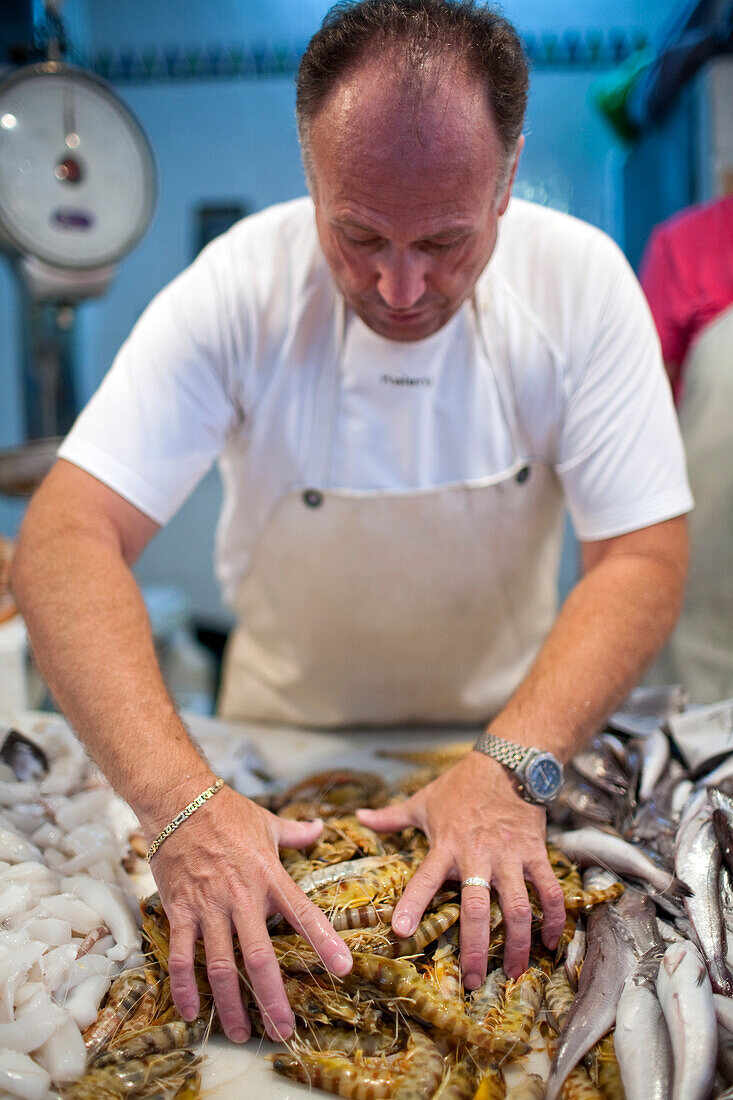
(190, 809)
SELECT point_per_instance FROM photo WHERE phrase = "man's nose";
(401, 279)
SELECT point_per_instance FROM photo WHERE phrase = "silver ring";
(475, 880)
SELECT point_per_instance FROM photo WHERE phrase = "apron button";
(313, 498)
(523, 475)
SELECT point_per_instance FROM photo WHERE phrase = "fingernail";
(189, 1013)
(472, 981)
(281, 1029)
(342, 962)
(239, 1035)
(403, 925)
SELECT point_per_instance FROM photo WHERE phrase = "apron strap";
(325, 404)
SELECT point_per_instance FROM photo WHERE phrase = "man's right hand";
(220, 873)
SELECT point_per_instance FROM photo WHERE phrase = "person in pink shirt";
(687, 276)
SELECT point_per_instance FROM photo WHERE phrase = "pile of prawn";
(400, 1024)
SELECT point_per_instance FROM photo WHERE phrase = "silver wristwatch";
(539, 774)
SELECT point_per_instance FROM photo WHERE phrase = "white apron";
(395, 607)
(700, 652)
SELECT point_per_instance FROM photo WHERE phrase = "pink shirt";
(687, 276)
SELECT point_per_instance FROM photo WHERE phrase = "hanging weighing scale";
(77, 179)
(78, 186)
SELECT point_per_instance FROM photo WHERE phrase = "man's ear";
(504, 202)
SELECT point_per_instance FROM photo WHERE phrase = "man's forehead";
(379, 125)
(437, 103)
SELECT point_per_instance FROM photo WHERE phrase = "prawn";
(369, 1079)
(460, 1081)
(492, 1085)
(131, 1076)
(398, 978)
(344, 788)
(523, 1000)
(124, 994)
(423, 1069)
(326, 1004)
(157, 1039)
(365, 916)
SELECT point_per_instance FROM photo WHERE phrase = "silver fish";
(668, 932)
(698, 860)
(721, 800)
(686, 997)
(580, 800)
(598, 878)
(724, 1011)
(618, 934)
(723, 829)
(590, 845)
(643, 1047)
(654, 757)
(574, 955)
(725, 1053)
(601, 766)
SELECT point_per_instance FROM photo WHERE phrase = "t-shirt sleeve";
(620, 454)
(162, 413)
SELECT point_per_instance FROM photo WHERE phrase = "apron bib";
(393, 607)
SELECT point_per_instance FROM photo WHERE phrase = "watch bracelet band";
(183, 815)
(506, 752)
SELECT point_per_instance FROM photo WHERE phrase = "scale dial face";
(77, 174)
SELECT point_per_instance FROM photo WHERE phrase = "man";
(399, 425)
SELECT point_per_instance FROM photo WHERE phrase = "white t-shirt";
(225, 364)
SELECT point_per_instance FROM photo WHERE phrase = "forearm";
(611, 627)
(93, 644)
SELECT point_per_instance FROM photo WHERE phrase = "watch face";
(543, 777)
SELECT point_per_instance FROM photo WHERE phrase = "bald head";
(399, 126)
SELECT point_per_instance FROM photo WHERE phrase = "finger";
(419, 892)
(307, 919)
(265, 978)
(224, 979)
(514, 902)
(184, 990)
(475, 933)
(296, 834)
(389, 819)
(551, 897)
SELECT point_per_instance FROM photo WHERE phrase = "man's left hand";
(478, 825)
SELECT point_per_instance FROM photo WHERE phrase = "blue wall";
(235, 141)
(192, 21)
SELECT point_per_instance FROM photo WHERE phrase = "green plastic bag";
(611, 92)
